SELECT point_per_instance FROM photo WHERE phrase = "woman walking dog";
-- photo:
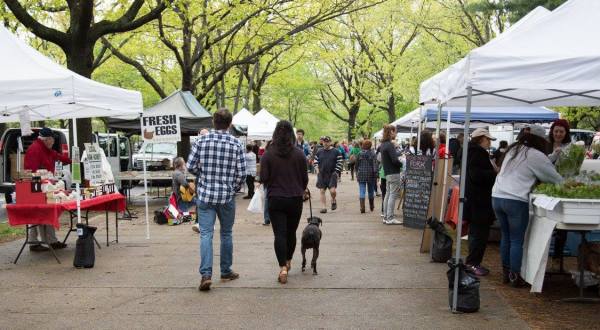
(283, 171)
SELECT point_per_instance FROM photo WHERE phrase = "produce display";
(570, 160)
(570, 189)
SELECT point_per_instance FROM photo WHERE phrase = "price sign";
(419, 176)
(93, 164)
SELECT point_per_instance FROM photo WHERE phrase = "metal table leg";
(582, 298)
(24, 243)
(106, 211)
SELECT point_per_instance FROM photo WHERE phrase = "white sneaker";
(393, 222)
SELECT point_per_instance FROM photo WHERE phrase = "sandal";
(282, 278)
(288, 265)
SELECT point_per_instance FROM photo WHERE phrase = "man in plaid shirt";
(217, 160)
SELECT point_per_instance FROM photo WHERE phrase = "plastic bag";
(468, 288)
(442, 242)
(257, 202)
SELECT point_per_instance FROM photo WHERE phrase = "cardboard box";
(13, 166)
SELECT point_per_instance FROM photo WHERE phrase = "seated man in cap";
(40, 155)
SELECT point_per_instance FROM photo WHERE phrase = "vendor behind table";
(40, 155)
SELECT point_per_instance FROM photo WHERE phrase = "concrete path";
(370, 276)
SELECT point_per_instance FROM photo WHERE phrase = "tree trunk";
(187, 80)
(80, 59)
(238, 92)
(352, 114)
(256, 105)
(391, 108)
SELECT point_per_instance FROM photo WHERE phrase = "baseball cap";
(46, 132)
(326, 138)
(537, 130)
(482, 132)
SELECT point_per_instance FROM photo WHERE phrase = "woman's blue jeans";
(364, 186)
(513, 216)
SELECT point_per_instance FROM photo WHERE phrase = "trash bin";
(85, 253)
(468, 288)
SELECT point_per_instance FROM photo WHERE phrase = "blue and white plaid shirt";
(217, 160)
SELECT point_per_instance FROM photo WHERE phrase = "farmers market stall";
(549, 62)
(33, 88)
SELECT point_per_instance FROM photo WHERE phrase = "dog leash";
(310, 203)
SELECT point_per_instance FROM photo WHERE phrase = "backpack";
(160, 217)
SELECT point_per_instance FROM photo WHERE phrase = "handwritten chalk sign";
(161, 128)
(93, 164)
(417, 191)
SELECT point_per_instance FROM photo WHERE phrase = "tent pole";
(77, 184)
(463, 174)
(446, 161)
(436, 169)
(145, 182)
(419, 128)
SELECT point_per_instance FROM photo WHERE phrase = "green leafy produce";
(570, 189)
(570, 160)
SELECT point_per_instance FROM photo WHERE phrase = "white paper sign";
(93, 164)
(546, 202)
(161, 128)
(25, 122)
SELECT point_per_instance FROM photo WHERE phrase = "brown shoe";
(205, 283)
(230, 277)
(282, 278)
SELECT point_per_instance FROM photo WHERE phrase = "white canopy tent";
(242, 118)
(551, 63)
(32, 83)
(548, 61)
(262, 126)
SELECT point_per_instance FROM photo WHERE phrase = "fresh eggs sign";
(162, 128)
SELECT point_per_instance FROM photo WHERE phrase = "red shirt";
(39, 156)
(442, 151)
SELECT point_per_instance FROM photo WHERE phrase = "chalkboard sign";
(419, 175)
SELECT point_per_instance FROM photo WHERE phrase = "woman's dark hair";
(564, 124)
(427, 143)
(528, 140)
(283, 138)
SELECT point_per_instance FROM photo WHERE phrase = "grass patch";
(8, 233)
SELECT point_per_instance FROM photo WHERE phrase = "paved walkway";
(370, 276)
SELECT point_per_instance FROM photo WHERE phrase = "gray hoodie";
(518, 176)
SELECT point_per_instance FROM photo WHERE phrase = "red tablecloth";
(48, 214)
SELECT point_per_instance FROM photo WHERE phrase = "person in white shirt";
(250, 171)
(525, 163)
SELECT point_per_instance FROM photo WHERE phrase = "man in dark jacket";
(329, 162)
(478, 211)
(40, 155)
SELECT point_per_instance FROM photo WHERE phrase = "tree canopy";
(342, 68)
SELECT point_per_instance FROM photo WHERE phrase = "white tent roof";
(262, 126)
(453, 81)
(31, 81)
(242, 118)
